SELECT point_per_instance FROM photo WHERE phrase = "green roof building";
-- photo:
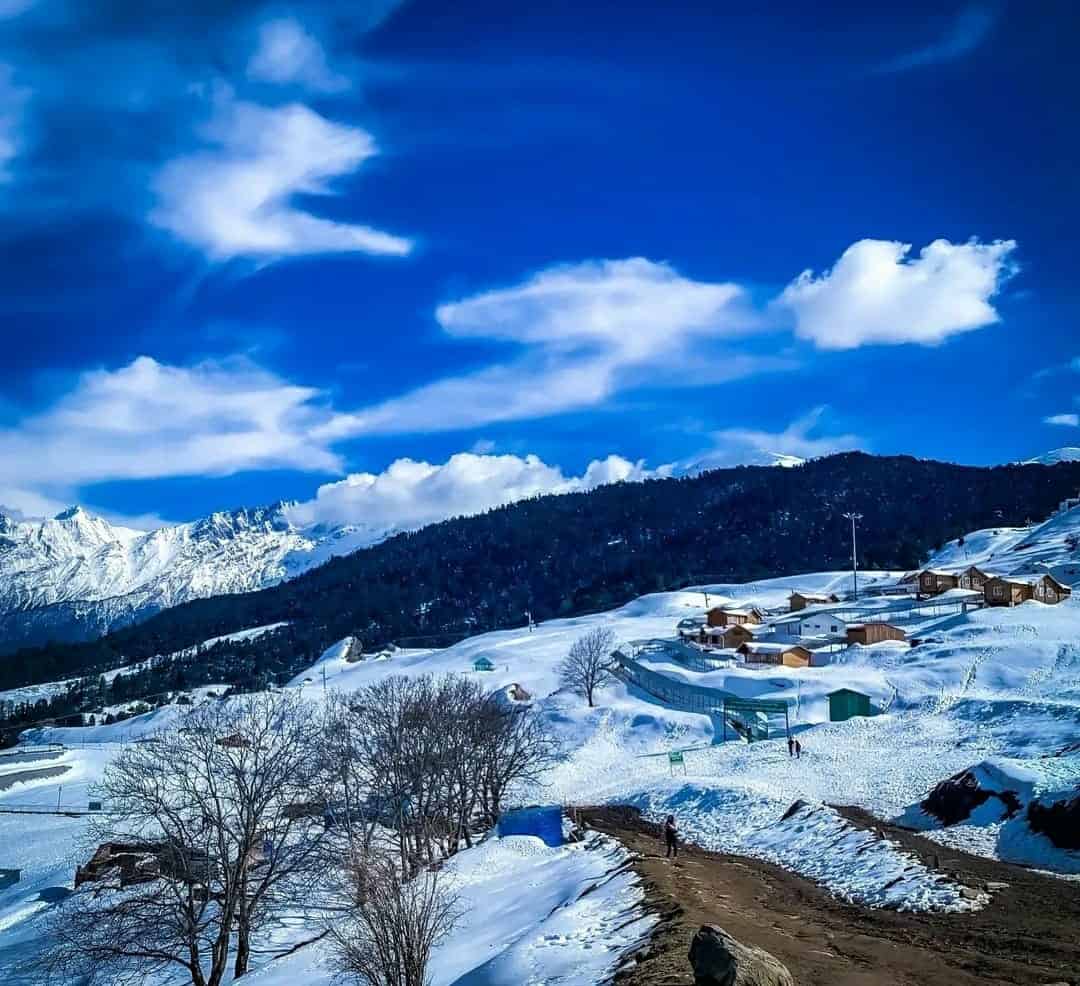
(483, 664)
(845, 704)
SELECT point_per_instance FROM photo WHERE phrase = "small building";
(800, 600)
(722, 616)
(822, 625)
(483, 664)
(1047, 589)
(974, 578)
(932, 581)
(1001, 591)
(789, 655)
(873, 633)
(735, 635)
(846, 703)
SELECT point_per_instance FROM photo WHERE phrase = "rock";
(719, 960)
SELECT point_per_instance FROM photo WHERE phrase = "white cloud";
(584, 332)
(877, 294)
(801, 439)
(409, 494)
(287, 54)
(236, 197)
(1069, 420)
(149, 420)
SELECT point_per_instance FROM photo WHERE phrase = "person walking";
(798, 750)
(790, 747)
(671, 837)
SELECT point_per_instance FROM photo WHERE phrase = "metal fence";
(697, 698)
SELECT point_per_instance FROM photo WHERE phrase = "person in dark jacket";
(798, 750)
(671, 836)
(790, 747)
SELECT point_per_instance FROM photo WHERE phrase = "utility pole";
(854, 559)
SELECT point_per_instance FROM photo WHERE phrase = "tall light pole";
(854, 560)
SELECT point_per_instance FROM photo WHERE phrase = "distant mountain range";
(573, 553)
(1053, 457)
(76, 576)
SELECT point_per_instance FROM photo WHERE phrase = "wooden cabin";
(734, 635)
(1047, 589)
(873, 633)
(1000, 591)
(974, 578)
(800, 600)
(789, 655)
(933, 582)
(722, 616)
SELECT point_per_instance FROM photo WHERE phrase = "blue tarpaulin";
(545, 822)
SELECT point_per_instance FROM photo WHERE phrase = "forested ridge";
(576, 553)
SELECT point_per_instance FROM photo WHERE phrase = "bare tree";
(393, 923)
(587, 666)
(428, 760)
(201, 839)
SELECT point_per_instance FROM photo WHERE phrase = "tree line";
(566, 555)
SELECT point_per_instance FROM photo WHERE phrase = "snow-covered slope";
(1050, 547)
(1054, 456)
(76, 576)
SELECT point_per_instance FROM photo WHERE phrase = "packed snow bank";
(542, 915)
(857, 865)
(530, 914)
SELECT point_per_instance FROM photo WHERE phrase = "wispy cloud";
(235, 197)
(13, 99)
(148, 420)
(581, 332)
(966, 32)
(803, 438)
(876, 293)
(288, 54)
(1068, 420)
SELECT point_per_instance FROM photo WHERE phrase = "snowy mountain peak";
(76, 576)
(1054, 456)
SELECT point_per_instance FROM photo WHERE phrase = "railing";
(694, 698)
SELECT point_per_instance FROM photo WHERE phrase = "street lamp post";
(854, 559)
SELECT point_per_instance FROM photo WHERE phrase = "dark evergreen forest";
(571, 554)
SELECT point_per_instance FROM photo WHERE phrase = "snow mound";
(857, 865)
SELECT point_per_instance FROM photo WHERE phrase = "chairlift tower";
(854, 559)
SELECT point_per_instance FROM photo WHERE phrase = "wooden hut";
(1000, 591)
(873, 633)
(933, 582)
(789, 655)
(800, 600)
(974, 578)
(1047, 589)
(725, 616)
(483, 664)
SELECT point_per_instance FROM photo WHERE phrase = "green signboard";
(675, 756)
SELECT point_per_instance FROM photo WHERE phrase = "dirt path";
(1028, 934)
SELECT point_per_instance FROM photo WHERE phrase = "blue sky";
(258, 251)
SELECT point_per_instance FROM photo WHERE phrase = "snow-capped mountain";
(1053, 457)
(76, 576)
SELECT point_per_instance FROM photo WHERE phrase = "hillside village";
(902, 698)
